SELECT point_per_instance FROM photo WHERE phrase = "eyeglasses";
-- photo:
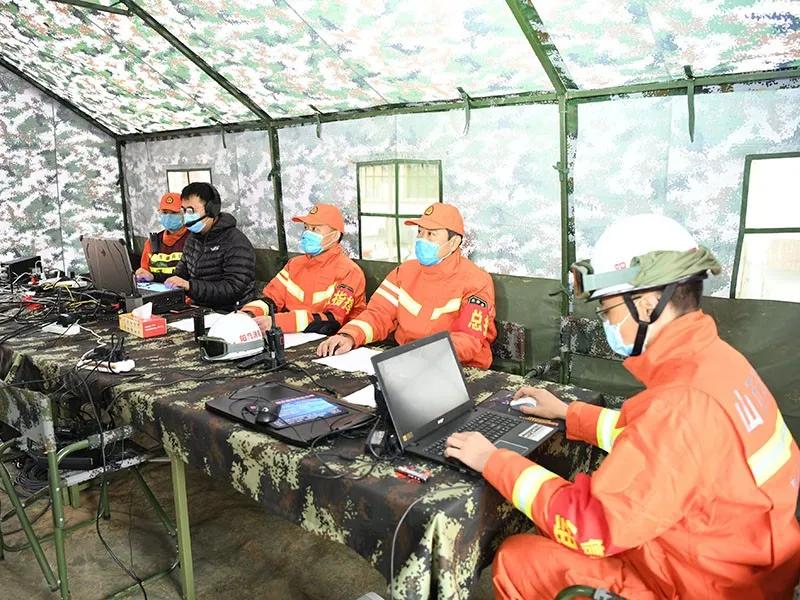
(602, 313)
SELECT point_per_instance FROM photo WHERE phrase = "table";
(445, 540)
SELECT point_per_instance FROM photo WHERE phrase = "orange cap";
(323, 214)
(171, 202)
(440, 216)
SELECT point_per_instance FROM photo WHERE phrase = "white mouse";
(524, 401)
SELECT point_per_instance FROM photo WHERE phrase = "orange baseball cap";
(323, 214)
(440, 216)
(171, 202)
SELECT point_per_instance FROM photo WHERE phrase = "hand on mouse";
(548, 405)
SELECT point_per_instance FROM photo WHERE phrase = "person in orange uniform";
(439, 291)
(320, 290)
(697, 496)
(163, 250)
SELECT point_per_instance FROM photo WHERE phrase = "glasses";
(602, 313)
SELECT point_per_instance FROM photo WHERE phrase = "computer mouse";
(524, 401)
(265, 416)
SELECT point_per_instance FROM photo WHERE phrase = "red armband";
(474, 317)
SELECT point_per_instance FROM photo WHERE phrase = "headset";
(214, 206)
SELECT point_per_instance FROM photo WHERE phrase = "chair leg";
(36, 547)
(58, 523)
(104, 500)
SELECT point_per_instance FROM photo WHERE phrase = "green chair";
(28, 413)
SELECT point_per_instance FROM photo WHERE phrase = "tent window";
(177, 179)
(767, 262)
(388, 193)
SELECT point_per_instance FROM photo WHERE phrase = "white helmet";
(641, 252)
(232, 336)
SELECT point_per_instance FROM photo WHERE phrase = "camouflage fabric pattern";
(510, 342)
(115, 68)
(28, 413)
(290, 56)
(653, 40)
(239, 167)
(624, 168)
(58, 179)
(447, 537)
(585, 336)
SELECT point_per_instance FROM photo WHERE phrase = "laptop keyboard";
(491, 425)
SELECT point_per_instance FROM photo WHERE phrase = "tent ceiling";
(290, 55)
(113, 67)
(611, 42)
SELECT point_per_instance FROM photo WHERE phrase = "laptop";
(110, 267)
(427, 400)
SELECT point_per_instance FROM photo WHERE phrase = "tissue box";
(143, 328)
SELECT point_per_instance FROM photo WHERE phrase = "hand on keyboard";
(471, 448)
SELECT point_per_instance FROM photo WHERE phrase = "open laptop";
(427, 399)
(110, 267)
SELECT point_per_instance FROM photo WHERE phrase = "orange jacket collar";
(170, 237)
(325, 257)
(684, 337)
(448, 267)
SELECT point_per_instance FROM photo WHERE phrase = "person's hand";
(336, 344)
(548, 405)
(177, 283)
(264, 323)
(143, 275)
(471, 448)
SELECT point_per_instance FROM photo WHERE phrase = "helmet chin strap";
(641, 331)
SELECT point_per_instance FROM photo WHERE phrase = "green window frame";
(190, 175)
(744, 230)
(396, 214)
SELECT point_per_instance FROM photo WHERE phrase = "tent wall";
(500, 174)
(58, 178)
(239, 165)
(635, 155)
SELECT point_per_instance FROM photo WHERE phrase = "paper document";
(188, 324)
(290, 340)
(364, 397)
(355, 360)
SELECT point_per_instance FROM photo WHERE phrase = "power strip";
(104, 366)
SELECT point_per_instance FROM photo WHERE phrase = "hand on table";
(264, 323)
(177, 283)
(143, 275)
(336, 344)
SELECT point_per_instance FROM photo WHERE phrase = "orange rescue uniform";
(415, 301)
(314, 290)
(696, 498)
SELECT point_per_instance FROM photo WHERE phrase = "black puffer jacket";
(220, 266)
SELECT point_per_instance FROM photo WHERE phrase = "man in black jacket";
(218, 264)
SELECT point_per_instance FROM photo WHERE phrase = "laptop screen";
(109, 264)
(423, 385)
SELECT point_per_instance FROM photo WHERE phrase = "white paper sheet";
(364, 397)
(290, 340)
(355, 360)
(188, 324)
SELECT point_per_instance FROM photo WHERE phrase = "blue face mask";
(171, 221)
(193, 223)
(311, 242)
(427, 252)
(614, 337)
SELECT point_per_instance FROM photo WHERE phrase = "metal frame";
(743, 229)
(396, 162)
(277, 192)
(95, 6)
(124, 195)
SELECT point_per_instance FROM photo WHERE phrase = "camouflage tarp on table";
(446, 538)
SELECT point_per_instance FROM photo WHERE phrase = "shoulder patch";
(479, 301)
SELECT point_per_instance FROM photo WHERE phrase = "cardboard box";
(143, 328)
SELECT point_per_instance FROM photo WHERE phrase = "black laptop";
(110, 267)
(427, 399)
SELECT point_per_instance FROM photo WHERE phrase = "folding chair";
(29, 414)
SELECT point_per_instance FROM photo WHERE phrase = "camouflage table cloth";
(445, 540)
